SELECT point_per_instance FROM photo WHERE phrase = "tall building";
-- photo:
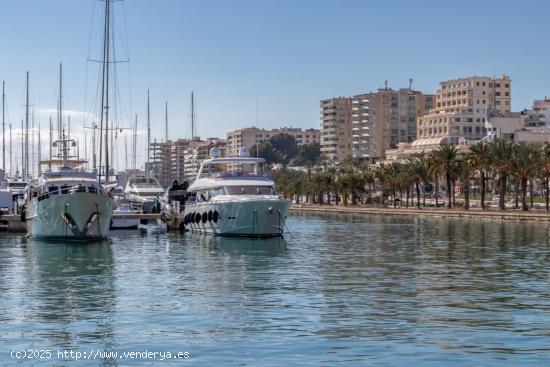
(249, 136)
(385, 118)
(460, 110)
(336, 128)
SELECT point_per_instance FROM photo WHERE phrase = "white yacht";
(142, 190)
(232, 196)
(68, 203)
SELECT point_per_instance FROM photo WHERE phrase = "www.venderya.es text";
(92, 354)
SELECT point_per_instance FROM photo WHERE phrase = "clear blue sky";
(286, 54)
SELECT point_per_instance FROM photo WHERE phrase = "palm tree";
(480, 159)
(445, 157)
(501, 161)
(465, 169)
(419, 173)
(527, 163)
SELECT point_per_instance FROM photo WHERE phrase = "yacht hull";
(246, 217)
(77, 216)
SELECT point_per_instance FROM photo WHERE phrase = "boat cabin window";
(232, 169)
(250, 190)
(53, 190)
(191, 199)
(92, 189)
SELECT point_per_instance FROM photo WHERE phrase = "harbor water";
(340, 290)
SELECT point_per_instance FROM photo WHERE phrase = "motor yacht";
(232, 196)
(68, 203)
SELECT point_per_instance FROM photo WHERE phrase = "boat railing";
(68, 190)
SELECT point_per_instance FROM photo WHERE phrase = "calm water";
(343, 290)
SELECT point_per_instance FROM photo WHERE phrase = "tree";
(480, 159)
(445, 157)
(501, 161)
(527, 162)
(545, 164)
(418, 171)
(280, 148)
(308, 155)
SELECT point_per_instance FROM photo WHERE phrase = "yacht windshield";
(232, 169)
(250, 190)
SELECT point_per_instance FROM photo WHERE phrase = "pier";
(12, 223)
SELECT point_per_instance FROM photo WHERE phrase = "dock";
(12, 223)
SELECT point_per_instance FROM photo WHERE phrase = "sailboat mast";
(166, 119)
(192, 116)
(104, 92)
(134, 146)
(106, 65)
(3, 126)
(11, 161)
(32, 143)
(148, 130)
(26, 140)
(60, 104)
(51, 142)
(39, 149)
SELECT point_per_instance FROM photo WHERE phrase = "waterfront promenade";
(496, 214)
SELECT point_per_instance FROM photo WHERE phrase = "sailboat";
(68, 203)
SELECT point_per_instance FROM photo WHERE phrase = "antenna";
(410, 83)
(385, 84)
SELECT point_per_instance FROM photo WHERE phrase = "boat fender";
(210, 215)
(197, 218)
(215, 216)
(163, 217)
(204, 217)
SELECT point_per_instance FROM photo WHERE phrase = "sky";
(265, 61)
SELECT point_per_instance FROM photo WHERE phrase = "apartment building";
(460, 110)
(385, 118)
(336, 128)
(249, 136)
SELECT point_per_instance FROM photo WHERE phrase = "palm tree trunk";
(531, 192)
(502, 192)
(417, 194)
(482, 190)
(454, 192)
(448, 178)
(408, 195)
(436, 191)
(547, 196)
(516, 189)
(466, 195)
(524, 193)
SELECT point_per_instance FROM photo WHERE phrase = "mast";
(11, 161)
(192, 116)
(105, 94)
(39, 148)
(22, 149)
(148, 130)
(166, 119)
(3, 126)
(69, 126)
(26, 139)
(32, 143)
(60, 104)
(134, 146)
(51, 142)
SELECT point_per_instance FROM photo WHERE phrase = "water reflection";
(72, 291)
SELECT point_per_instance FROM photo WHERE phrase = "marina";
(334, 184)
